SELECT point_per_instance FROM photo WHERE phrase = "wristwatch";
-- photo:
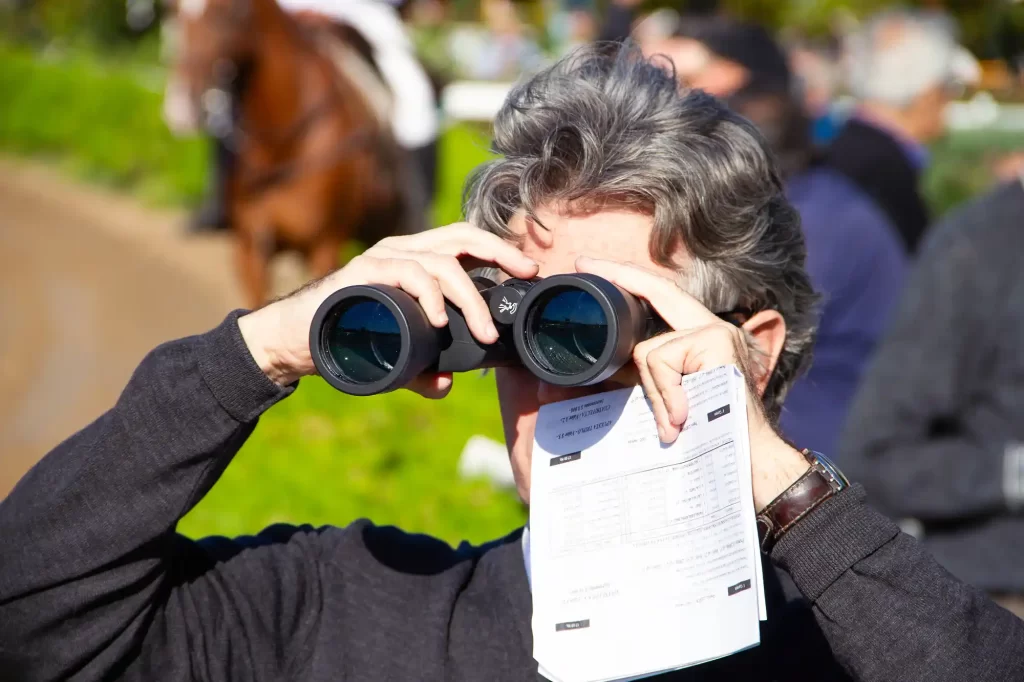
(822, 481)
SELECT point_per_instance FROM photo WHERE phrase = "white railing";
(474, 101)
(479, 101)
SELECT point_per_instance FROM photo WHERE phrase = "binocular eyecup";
(568, 330)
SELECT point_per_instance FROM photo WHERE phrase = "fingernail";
(492, 331)
(442, 320)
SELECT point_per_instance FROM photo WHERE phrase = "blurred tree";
(102, 23)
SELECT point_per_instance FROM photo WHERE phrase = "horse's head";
(210, 42)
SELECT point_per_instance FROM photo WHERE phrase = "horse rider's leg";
(411, 193)
(213, 214)
(253, 249)
(425, 158)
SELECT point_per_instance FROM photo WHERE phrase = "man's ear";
(768, 330)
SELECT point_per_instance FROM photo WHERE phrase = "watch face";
(832, 469)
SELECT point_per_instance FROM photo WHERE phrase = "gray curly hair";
(608, 127)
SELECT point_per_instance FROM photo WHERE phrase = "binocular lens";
(567, 331)
(363, 340)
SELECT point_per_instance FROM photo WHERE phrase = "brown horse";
(316, 161)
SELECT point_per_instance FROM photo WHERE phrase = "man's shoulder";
(992, 219)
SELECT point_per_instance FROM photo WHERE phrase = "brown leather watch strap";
(806, 493)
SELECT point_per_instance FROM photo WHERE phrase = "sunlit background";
(97, 267)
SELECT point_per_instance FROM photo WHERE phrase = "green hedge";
(961, 165)
(101, 119)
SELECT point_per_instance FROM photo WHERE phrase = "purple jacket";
(858, 265)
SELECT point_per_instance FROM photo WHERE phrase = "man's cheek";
(517, 396)
(520, 446)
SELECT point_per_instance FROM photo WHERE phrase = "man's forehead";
(555, 239)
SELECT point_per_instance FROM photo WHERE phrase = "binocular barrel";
(568, 330)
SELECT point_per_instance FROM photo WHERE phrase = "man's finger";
(664, 364)
(464, 239)
(458, 288)
(679, 309)
(409, 276)
(432, 386)
(641, 352)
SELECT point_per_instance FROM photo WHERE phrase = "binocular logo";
(507, 306)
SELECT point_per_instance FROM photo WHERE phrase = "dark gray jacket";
(936, 433)
(95, 584)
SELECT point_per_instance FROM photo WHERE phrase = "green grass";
(324, 457)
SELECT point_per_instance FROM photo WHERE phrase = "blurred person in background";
(415, 119)
(621, 15)
(904, 70)
(816, 68)
(936, 434)
(504, 50)
(427, 22)
(854, 255)
(572, 23)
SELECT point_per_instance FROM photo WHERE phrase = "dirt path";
(89, 283)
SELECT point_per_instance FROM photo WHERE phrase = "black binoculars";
(568, 330)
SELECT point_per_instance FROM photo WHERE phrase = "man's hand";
(430, 266)
(700, 341)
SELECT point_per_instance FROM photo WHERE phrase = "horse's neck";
(281, 81)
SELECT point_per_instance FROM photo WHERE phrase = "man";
(414, 117)
(854, 256)
(606, 169)
(904, 71)
(936, 433)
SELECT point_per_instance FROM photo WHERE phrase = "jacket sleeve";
(887, 609)
(94, 581)
(918, 436)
